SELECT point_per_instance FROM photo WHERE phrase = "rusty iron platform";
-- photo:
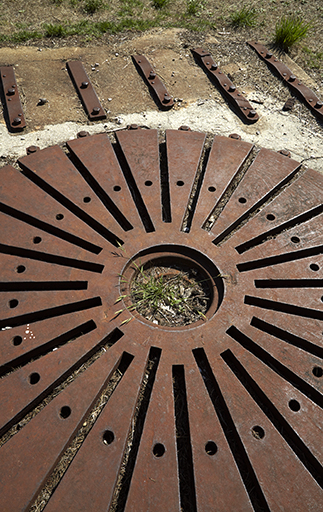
(115, 413)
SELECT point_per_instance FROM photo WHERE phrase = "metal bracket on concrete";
(154, 82)
(229, 89)
(85, 90)
(309, 97)
(16, 120)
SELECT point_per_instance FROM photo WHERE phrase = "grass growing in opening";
(290, 30)
(245, 17)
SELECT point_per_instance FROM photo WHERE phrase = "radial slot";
(34, 213)
(225, 161)
(295, 206)
(137, 168)
(104, 175)
(184, 151)
(256, 188)
(126, 414)
(41, 167)
(62, 417)
(268, 403)
(104, 447)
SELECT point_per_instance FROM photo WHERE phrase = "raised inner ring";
(172, 256)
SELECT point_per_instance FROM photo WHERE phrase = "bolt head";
(284, 152)
(32, 149)
(11, 91)
(133, 127)
(84, 85)
(319, 104)
(82, 134)
(235, 136)
(152, 74)
(96, 111)
(17, 120)
(166, 98)
(214, 66)
(252, 113)
(269, 55)
(185, 128)
(232, 88)
(292, 78)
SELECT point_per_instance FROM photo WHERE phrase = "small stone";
(119, 120)
(97, 64)
(257, 133)
(109, 99)
(42, 101)
(117, 55)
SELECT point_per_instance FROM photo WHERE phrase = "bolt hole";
(37, 240)
(117, 188)
(294, 405)
(59, 216)
(20, 269)
(13, 303)
(211, 448)
(258, 432)
(295, 239)
(87, 199)
(270, 216)
(211, 189)
(17, 340)
(159, 450)
(317, 371)
(180, 183)
(65, 412)
(242, 200)
(108, 437)
(314, 267)
(148, 183)
(34, 378)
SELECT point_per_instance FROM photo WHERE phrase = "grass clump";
(91, 6)
(245, 17)
(54, 30)
(193, 7)
(290, 30)
(159, 4)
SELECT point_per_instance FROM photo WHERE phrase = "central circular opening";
(172, 286)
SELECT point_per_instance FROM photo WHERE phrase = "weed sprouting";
(245, 17)
(290, 30)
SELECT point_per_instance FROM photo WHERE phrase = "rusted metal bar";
(16, 120)
(85, 90)
(309, 97)
(154, 82)
(248, 113)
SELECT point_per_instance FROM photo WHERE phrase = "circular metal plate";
(112, 412)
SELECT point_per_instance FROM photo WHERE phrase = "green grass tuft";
(52, 30)
(245, 17)
(91, 6)
(159, 4)
(193, 7)
(288, 31)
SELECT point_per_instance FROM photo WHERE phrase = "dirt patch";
(170, 295)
